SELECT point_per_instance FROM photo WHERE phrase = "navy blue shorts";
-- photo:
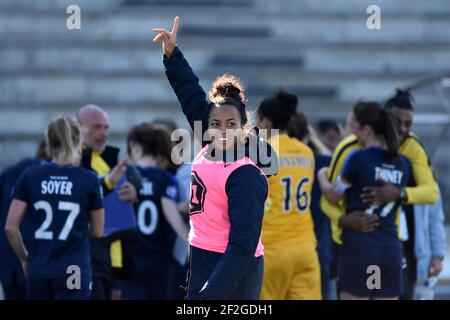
(57, 289)
(202, 265)
(357, 277)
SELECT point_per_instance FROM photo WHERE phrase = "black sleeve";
(247, 190)
(95, 198)
(20, 191)
(134, 177)
(3, 197)
(186, 86)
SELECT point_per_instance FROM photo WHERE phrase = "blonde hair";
(63, 138)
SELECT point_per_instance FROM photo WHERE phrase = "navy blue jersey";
(364, 168)
(154, 233)
(10, 268)
(59, 200)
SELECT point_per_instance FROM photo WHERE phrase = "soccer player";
(422, 190)
(65, 207)
(292, 270)
(180, 251)
(226, 259)
(12, 278)
(379, 247)
(300, 129)
(157, 216)
(330, 132)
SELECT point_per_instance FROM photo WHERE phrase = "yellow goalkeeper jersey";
(287, 218)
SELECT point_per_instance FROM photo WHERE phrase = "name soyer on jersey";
(57, 185)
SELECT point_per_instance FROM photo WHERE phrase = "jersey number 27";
(42, 232)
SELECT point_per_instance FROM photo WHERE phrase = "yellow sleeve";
(426, 189)
(115, 252)
(334, 212)
(109, 183)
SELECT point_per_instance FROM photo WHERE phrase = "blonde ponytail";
(63, 139)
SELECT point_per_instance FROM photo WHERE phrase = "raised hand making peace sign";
(168, 39)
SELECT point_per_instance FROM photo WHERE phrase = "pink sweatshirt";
(210, 224)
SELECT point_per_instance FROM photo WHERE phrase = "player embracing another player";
(378, 247)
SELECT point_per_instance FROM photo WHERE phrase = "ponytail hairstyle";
(298, 126)
(227, 90)
(63, 139)
(402, 100)
(279, 109)
(381, 121)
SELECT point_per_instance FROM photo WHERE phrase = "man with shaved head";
(101, 158)
(95, 122)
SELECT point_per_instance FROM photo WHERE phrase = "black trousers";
(101, 288)
(202, 265)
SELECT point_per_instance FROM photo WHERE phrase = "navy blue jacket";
(246, 189)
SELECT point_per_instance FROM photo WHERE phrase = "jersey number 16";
(301, 195)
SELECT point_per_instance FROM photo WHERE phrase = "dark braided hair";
(402, 99)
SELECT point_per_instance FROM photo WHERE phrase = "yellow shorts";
(291, 272)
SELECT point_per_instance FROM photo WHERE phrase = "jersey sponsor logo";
(198, 193)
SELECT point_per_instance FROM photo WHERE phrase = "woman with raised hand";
(228, 183)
